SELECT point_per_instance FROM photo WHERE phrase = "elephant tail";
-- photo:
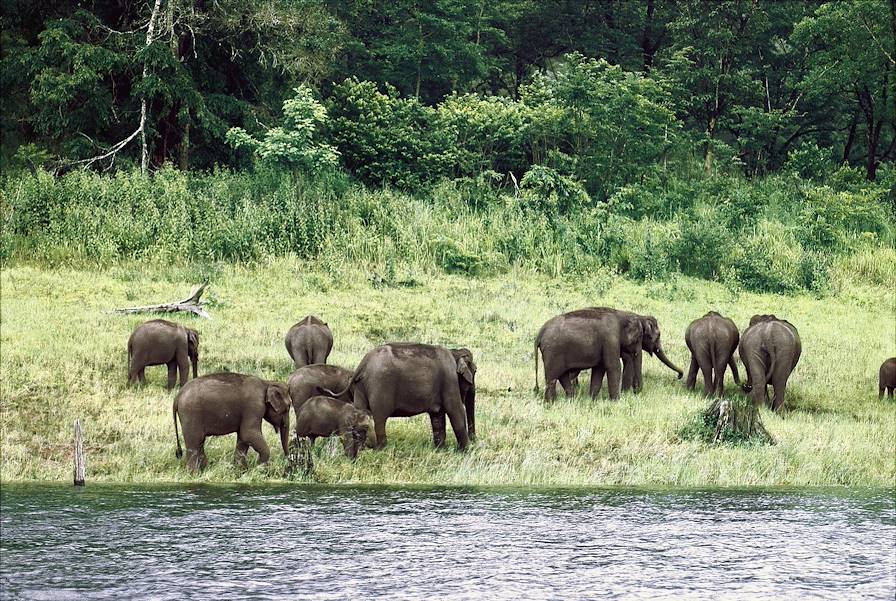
(179, 452)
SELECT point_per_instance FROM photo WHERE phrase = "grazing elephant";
(317, 379)
(597, 338)
(770, 349)
(160, 342)
(325, 416)
(309, 341)
(712, 340)
(887, 378)
(405, 379)
(225, 403)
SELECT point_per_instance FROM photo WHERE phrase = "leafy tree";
(297, 144)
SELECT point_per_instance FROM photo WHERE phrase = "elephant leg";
(692, 374)
(172, 373)
(458, 417)
(133, 371)
(705, 364)
(597, 380)
(196, 459)
(628, 375)
(379, 428)
(614, 377)
(239, 455)
(719, 365)
(141, 374)
(758, 391)
(183, 365)
(637, 367)
(253, 437)
(550, 391)
(568, 387)
(437, 418)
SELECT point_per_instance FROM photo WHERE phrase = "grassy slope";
(63, 357)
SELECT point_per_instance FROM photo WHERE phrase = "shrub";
(767, 259)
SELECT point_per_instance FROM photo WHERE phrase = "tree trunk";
(851, 137)
(735, 420)
(648, 46)
(150, 35)
(184, 158)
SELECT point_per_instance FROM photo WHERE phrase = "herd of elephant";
(406, 379)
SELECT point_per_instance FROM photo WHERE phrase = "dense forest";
(772, 118)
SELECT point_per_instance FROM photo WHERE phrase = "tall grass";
(779, 234)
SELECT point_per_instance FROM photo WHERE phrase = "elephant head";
(193, 350)
(649, 330)
(466, 379)
(277, 403)
(357, 430)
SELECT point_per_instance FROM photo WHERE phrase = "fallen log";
(191, 304)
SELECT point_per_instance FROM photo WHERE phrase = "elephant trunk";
(195, 361)
(661, 355)
(284, 434)
(470, 406)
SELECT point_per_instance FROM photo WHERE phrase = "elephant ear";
(651, 335)
(193, 341)
(632, 331)
(277, 398)
(466, 370)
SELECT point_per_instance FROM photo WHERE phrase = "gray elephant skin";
(403, 379)
(322, 416)
(597, 338)
(769, 349)
(317, 379)
(309, 341)
(224, 403)
(886, 378)
(161, 342)
(712, 340)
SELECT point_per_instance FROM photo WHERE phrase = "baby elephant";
(326, 416)
(225, 403)
(317, 379)
(309, 341)
(887, 376)
(160, 342)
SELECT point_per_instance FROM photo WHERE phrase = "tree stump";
(736, 419)
(298, 460)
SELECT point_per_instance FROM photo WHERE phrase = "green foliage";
(297, 144)
(547, 190)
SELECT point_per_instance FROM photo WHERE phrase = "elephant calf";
(322, 416)
(712, 340)
(887, 378)
(225, 403)
(770, 349)
(319, 379)
(309, 341)
(161, 342)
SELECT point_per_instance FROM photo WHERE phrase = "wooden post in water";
(80, 463)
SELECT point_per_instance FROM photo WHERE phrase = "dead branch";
(191, 304)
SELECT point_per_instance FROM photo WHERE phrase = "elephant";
(314, 380)
(770, 348)
(401, 379)
(712, 340)
(325, 416)
(887, 378)
(224, 403)
(161, 342)
(309, 341)
(597, 338)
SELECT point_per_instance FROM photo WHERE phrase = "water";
(335, 543)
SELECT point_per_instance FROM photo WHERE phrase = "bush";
(768, 259)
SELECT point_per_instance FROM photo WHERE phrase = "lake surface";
(235, 542)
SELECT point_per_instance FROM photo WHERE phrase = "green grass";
(63, 357)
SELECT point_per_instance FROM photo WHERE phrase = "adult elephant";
(405, 379)
(315, 380)
(770, 349)
(161, 342)
(597, 338)
(309, 341)
(225, 403)
(712, 340)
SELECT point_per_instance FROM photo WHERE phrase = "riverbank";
(63, 357)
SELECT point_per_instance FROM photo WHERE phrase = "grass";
(63, 357)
